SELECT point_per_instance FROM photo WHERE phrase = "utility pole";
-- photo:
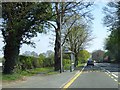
(60, 39)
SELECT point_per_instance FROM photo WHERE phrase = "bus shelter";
(72, 59)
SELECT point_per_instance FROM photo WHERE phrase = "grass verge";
(21, 74)
(80, 66)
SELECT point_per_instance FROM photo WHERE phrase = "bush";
(30, 62)
(49, 61)
(66, 64)
(46, 61)
(27, 62)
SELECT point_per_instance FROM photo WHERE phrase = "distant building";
(98, 55)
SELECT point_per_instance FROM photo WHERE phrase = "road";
(102, 75)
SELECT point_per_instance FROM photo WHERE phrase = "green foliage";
(11, 77)
(112, 20)
(21, 74)
(28, 18)
(49, 61)
(112, 45)
(66, 56)
(30, 62)
(83, 56)
(27, 62)
(66, 64)
(46, 61)
(41, 60)
(21, 22)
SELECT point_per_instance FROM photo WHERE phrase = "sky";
(100, 32)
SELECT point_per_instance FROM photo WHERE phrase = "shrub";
(27, 62)
(66, 64)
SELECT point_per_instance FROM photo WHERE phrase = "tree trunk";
(57, 57)
(76, 60)
(11, 53)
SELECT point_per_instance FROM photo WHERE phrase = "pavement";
(43, 81)
(102, 76)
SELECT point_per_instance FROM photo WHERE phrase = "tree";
(83, 56)
(22, 21)
(61, 10)
(77, 39)
(112, 20)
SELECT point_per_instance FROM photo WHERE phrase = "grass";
(21, 74)
(81, 64)
(12, 77)
(41, 70)
(51, 73)
(67, 67)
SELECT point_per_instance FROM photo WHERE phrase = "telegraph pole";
(61, 61)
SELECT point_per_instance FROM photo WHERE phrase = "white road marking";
(115, 80)
(112, 77)
(115, 75)
(108, 71)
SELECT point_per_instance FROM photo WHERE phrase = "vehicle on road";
(90, 62)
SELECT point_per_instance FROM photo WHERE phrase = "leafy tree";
(41, 60)
(77, 39)
(112, 20)
(108, 56)
(83, 56)
(22, 21)
(61, 10)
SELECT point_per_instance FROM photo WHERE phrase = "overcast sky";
(99, 31)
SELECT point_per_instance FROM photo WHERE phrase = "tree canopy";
(21, 22)
(112, 20)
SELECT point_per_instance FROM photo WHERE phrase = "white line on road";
(115, 80)
(108, 71)
(115, 75)
(112, 77)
